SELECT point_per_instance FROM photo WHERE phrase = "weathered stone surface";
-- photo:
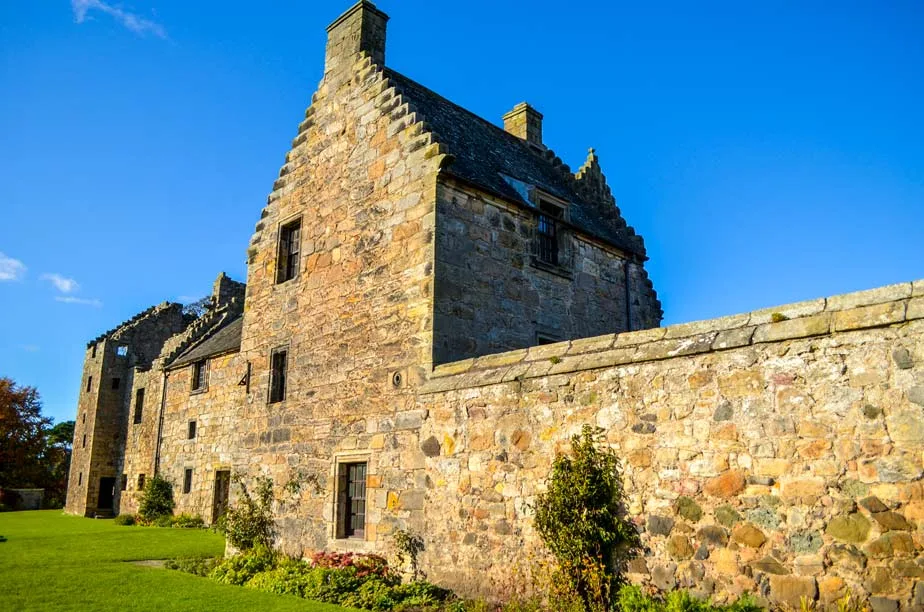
(790, 590)
(878, 580)
(664, 576)
(727, 516)
(724, 412)
(660, 525)
(687, 508)
(902, 358)
(805, 542)
(891, 521)
(847, 556)
(916, 395)
(769, 565)
(873, 504)
(431, 447)
(869, 316)
(852, 528)
(748, 535)
(679, 548)
(726, 485)
(907, 426)
(879, 295)
(764, 517)
(893, 543)
(713, 535)
(817, 325)
(883, 604)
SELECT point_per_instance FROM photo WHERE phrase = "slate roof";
(484, 153)
(225, 340)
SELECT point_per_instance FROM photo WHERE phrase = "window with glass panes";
(289, 243)
(352, 511)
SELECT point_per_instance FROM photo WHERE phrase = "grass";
(50, 561)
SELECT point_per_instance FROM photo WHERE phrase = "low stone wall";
(777, 452)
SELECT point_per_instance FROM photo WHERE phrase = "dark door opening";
(106, 494)
(221, 495)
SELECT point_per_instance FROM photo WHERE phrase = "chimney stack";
(524, 122)
(360, 28)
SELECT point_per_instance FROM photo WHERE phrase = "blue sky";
(768, 152)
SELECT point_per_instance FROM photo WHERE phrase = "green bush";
(187, 521)
(581, 519)
(244, 566)
(250, 523)
(632, 599)
(156, 499)
(163, 521)
(124, 519)
(199, 566)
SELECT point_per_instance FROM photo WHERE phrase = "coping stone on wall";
(889, 305)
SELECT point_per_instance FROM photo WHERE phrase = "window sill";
(199, 391)
(550, 268)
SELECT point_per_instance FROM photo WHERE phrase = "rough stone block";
(587, 345)
(695, 328)
(915, 309)
(869, 316)
(639, 337)
(879, 295)
(500, 359)
(790, 311)
(733, 338)
(817, 325)
(790, 590)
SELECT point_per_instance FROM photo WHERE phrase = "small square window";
(89, 383)
(351, 500)
(115, 383)
(139, 406)
(191, 431)
(141, 482)
(278, 365)
(122, 350)
(187, 480)
(200, 373)
(289, 246)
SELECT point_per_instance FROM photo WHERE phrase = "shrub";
(200, 566)
(365, 565)
(250, 523)
(124, 519)
(163, 521)
(156, 499)
(632, 599)
(244, 566)
(188, 521)
(581, 519)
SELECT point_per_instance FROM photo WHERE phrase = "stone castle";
(435, 304)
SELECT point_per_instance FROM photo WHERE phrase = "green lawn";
(50, 561)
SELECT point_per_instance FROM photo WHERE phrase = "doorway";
(106, 497)
(221, 495)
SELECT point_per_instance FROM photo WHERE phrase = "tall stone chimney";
(524, 122)
(360, 28)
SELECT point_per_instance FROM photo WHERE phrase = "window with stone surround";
(80, 478)
(115, 383)
(124, 481)
(139, 405)
(191, 431)
(278, 365)
(122, 350)
(289, 247)
(140, 482)
(547, 232)
(187, 480)
(200, 376)
(93, 352)
(351, 500)
(89, 383)
(84, 443)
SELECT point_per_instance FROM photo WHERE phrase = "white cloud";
(138, 25)
(11, 269)
(77, 300)
(61, 283)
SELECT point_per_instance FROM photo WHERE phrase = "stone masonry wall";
(357, 321)
(491, 296)
(777, 452)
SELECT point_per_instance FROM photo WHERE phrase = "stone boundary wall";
(777, 452)
(863, 309)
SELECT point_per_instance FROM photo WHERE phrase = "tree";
(23, 437)
(62, 435)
